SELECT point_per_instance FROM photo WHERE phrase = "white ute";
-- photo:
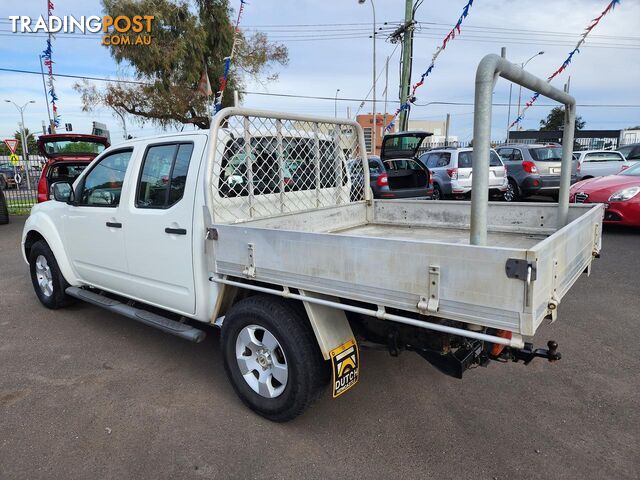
(256, 227)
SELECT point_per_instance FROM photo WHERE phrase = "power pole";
(407, 54)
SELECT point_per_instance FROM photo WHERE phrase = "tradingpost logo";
(120, 30)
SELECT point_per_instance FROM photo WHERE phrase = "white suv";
(451, 172)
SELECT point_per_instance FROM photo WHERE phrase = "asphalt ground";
(86, 394)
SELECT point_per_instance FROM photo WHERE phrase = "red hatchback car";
(67, 155)
(620, 193)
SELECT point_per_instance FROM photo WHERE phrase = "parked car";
(620, 193)
(8, 174)
(533, 169)
(451, 172)
(4, 209)
(631, 151)
(599, 163)
(395, 173)
(67, 154)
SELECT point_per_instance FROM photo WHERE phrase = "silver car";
(599, 163)
(451, 172)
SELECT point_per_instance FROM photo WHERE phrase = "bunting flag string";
(228, 60)
(47, 55)
(612, 4)
(456, 30)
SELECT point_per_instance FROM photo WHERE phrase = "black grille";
(581, 197)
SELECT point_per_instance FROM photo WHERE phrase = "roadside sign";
(11, 144)
(14, 159)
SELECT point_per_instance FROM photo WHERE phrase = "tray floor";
(440, 234)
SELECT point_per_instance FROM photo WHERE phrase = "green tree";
(32, 144)
(555, 120)
(187, 37)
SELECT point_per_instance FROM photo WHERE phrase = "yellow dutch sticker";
(345, 363)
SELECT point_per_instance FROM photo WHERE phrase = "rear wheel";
(3, 182)
(48, 282)
(437, 192)
(512, 194)
(271, 357)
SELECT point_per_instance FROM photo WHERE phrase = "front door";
(159, 215)
(94, 227)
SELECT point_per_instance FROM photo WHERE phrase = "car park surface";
(85, 393)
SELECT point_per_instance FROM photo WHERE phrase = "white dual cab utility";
(255, 227)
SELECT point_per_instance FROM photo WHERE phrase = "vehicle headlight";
(624, 194)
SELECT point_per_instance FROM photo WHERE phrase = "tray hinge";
(432, 302)
(521, 270)
(250, 271)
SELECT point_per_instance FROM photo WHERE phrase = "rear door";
(599, 164)
(548, 162)
(159, 216)
(465, 169)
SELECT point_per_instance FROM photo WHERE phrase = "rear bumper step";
(143, 316)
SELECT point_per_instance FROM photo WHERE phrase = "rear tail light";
(529, 167)
(453, 173)
(43, 188)
(383, 180)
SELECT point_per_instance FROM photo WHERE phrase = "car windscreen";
(73, 147)
(546, 154)
(465, 159)
(633, 171)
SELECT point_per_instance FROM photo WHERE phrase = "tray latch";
(432, 303)
(250, 271)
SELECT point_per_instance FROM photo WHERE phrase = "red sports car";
(620, 193)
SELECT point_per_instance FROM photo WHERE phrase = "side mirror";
(62, 192)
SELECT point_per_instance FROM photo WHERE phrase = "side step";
(143, 316)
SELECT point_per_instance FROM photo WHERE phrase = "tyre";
(437, 193)
(4, 210)
(272, 358)
(513, 193)
(48, 282)
(3, 182)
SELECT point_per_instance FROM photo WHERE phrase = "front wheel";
(271, 357)
(47, 279)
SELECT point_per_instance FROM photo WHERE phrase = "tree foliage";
(32, 145)
(555, 120)
(187, 37)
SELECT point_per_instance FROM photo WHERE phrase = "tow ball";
(528, 353)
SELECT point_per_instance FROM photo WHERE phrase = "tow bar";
(528, 353)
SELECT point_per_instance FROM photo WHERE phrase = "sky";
(330, 48)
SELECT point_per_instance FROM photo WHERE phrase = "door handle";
(114, 225)
(176, 231)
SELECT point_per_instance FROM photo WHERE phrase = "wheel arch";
(330, 325)
(39, 227)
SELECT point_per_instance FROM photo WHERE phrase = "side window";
(432, 160)
(374, 168)
(164, 175)
(103, 184)
(517, 155)
(494, 159)
(465, 159)
(505, 153)
(444, 159)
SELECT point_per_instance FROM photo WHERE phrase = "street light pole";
(335, 104)
(25, 148)
(375, 117)
(524, 64)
